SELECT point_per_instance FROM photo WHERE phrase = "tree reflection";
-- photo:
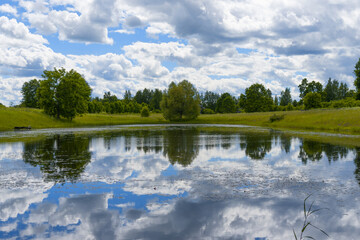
(256, 145)
(313, 151)
(310, 150)
(357, 164)
(60, 158)
(181, 145)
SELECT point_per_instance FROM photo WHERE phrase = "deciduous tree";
(180, 102)
(28, 91)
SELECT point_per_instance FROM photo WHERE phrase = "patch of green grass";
(24, 117)
(322, 120)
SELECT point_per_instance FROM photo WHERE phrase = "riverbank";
(346, 121)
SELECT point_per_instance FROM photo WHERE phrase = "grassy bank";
(323, 120)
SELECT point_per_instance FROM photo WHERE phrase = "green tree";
(28, 91)
(63, 93)
(357, 79)
(145, 112)
(180, 102)
(109, 98)
(2, 105)
(312, 100)
(285, 98)
(276, 100)
(155, 100)
(209, 100)
(257, 99)
(306, 87)
(127, 96)
(334, 91)
(226, 104)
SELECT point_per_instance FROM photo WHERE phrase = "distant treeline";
(67, 94)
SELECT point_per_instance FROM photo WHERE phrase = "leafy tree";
(144, 96)
(209, 100)
(127, 96)
(242, 101)
(335, 91)
(306, 87)
(343, 91)
(295, 103)
(357, 80)
(312, 100)
(156, 99)
(73, 93)
(145, 112)
(257, 99)
(180, 102)
(276, 101)
(28, 91)
(285, 98)
(2, 105)
(226, 104)
(109, 98)
(63, 93)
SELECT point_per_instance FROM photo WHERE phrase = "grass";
(345, 121)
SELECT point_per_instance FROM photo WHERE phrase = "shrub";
(208, 111)
(289, 107)
(312, 100)
(275, 117)
(145, 112)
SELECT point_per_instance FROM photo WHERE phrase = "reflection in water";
(177, 183)
(313, 151)
(256, 145)
(357, 164)
(181, 145)
(61, 158)
(310, 150)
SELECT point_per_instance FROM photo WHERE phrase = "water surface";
(175, 182)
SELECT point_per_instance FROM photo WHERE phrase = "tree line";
(66, 94)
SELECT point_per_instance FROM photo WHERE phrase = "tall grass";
(323, 120)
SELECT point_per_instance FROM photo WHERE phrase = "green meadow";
(346, 121)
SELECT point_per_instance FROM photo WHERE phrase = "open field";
(345, 121)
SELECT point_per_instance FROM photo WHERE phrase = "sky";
(218, 45)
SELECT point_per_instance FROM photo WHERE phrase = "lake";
(175, 182)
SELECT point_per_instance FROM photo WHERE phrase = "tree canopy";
(306, 87)
(226, 104)
(285, 98)
(256, 99)
(180, 102)
(63, 93)
(28, 91)
(357, 79)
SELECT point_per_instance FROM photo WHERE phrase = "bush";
(156, 111)
(312, 100)
(145, 112)
(289, 107)
(275, 117)
(208, 111)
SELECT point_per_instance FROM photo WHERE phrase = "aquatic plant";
(307, 222)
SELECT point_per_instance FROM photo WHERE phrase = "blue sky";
(218, 45)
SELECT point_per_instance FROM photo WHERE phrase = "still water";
(176, 182)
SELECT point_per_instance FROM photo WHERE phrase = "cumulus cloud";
(288, 41)
(6, 8)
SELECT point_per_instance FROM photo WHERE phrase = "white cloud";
(6, 8)
(290, 40)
